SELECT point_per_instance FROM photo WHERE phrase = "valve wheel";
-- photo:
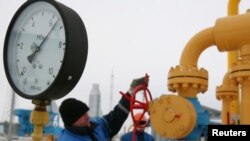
(140, 105)
(136, 104)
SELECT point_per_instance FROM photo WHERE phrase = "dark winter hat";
(71, 110)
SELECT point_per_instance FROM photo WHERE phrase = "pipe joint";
(187, 77)
(240, 71)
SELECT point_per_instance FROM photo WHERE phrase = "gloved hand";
(135, 83)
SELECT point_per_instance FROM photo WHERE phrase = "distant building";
(95, 102)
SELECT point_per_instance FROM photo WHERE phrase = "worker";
(79, 126)
(140, 133)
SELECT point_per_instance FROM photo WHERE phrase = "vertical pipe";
(233, 9)
(228, 118)
(227, 92)
(225, 109)
(245, 103)
(37, 133)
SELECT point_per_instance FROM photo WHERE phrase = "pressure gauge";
(45, 50)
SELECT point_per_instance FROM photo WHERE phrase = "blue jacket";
(103, 129)
(140, 136)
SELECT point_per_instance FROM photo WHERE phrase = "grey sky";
(131, 38)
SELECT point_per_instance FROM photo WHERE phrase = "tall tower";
(95, 102)
(111, 90)
(10, 128)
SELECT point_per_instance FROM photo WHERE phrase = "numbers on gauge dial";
(39, 51)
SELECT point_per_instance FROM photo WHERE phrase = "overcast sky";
(131, 38)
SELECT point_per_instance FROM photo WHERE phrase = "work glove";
(135, 83)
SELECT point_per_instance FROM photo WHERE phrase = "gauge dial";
(35, 46)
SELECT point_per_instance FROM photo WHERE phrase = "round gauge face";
(36, 48)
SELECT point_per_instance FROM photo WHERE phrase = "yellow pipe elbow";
(196, 46)
(187, 79)
(229, 33)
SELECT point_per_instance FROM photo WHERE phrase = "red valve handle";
(139, 105)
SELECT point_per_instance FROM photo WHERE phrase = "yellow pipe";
(229, 34)
(240, 72)
(39, 117)
(226, 100)
(226, 80)
(50, 138)
(233, 9)
(186, 79)
(225, 110)
(226, 92)
(245, 103)
(245, 83)
(196, 46)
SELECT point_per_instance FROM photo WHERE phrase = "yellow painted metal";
(229, 34)
(50, 138)
(187, 81)
(172, 116)
(245, 103)
(233, 9)
(39, 117)
(240, 72)
(186, 78)
(196, 46)
(227, 92)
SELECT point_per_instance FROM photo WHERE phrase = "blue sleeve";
(117, 116)
(127, 137)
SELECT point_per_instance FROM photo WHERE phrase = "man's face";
(83, 121)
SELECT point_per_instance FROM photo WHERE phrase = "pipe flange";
(240, 71)
(187, 77)
(172, 116)
(224, 91)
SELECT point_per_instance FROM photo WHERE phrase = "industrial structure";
(95, 101)
(183, 112)
(180, 115)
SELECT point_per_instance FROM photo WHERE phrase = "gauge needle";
(37, 49)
